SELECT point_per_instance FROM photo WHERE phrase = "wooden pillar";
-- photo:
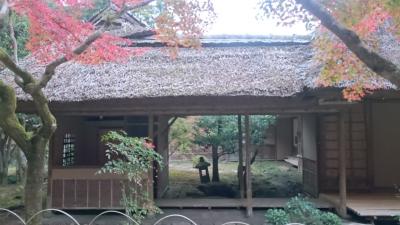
(249, 197)
(300, 142)
(162, 148)
(240, 152)
(342, 166)
(150, 183)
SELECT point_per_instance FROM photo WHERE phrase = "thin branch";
(3, 12)
(14, 40)
(51, 67)
(8, 119)
(139, 5)
(377, 63)
(18, 71)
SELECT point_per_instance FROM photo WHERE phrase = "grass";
(11, 196)
(269, 179)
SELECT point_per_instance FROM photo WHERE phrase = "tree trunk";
(34, 180)
(4, 175)
(5, 153)
(21, 166)
(240, 150)
(215, 177)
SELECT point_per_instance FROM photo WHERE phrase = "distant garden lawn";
(270, 179)
(11, 195)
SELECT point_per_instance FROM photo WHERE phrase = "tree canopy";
(347, 40)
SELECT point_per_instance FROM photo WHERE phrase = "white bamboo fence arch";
(69, 216)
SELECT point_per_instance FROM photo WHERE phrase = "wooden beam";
(249, 197)
(342, 166)
(240, 151)
(232, 105)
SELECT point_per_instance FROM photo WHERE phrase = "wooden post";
(150, 183)
(342, 166)
(249, 197)
(240, 149)
(300, 151)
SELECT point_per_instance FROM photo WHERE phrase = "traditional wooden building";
(344, 147)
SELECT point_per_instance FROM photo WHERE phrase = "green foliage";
(329, 218)
(149, 13)
(300, 210)
(258, 125)
(11, 196)
(131, 157)
(217, 131)
(223, 131)
(21, 27)
(180, 136)
(397, 218)
(277, 217)
(98, 5)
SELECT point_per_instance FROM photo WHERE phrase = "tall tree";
(58, 35)
(351, 50)
(217, 132)
(221, 134)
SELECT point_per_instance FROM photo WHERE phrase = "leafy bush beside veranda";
(299, 210)
(131, 157)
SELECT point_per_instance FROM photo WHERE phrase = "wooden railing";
(84, 188)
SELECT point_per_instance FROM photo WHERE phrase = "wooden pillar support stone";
(342, 210)
(240, 152)
(249, 197)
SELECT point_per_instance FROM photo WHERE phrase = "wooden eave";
(189, 105)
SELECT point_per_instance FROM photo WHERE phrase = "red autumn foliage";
(367, 18)
(56, 30)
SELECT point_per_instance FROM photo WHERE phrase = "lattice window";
(69, 150)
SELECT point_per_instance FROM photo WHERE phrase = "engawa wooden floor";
(370, 204)
(212, 203)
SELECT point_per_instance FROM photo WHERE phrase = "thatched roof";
(228, 71)
(125, 26)
(275, 70)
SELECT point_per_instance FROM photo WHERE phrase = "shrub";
(131, 157)
(329, 218)
(277, 217)
(300, 210)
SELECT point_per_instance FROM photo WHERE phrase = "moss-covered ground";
(269, 179)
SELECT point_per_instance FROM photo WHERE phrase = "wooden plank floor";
(231, 203)
(370, 204)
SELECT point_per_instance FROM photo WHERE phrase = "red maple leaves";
(341, 67)
(56, 29)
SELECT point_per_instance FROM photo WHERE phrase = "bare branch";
(47, 118)
(50, 68)
(8, 118)
(139, 5)
(18, 71)
(377, 63)
(14, 40)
